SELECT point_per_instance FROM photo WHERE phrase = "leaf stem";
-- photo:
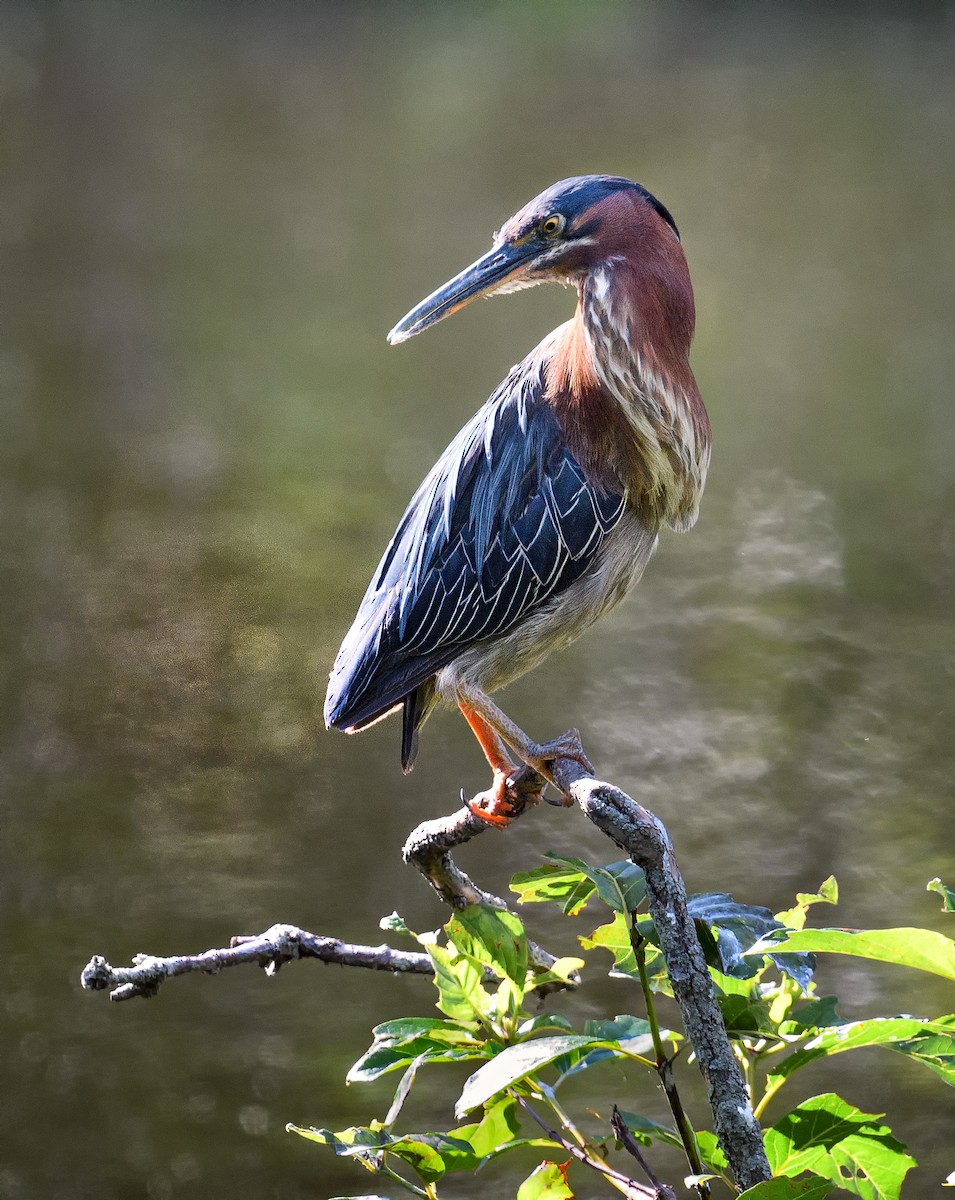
(561, 1113)
(663, 1064)
(429, 1194)
(638, 942)
(771, 1090)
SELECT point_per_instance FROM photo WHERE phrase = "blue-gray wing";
(504, 521)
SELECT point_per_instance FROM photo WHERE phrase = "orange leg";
(505, 732)
(512, 789)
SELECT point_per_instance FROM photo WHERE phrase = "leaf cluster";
(762, 966)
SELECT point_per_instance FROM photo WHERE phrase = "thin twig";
(632, 1146)
(631, 1186)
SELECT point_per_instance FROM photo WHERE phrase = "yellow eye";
(551, 226)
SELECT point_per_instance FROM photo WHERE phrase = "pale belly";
(490, 665)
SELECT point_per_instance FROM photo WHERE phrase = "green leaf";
(499, 1125)
(395, 924)
(833, 1139)
(748, 921)
(783, 1188)
(828, 893)
(621, 1028)
(646, 1131)
(513, 1064)
(631, 883)
(948, 896)
(625, 1035)
(493, 937)
(745, 1017)
(730, 985)
(421, 1151)
(401, 1092)
(566, 886)
(738, 927)
(545, 1021)
(621, 885)
(877, 1031)
(564, 970)
(548, 1182)
(816, 1014)
(496, 1133)
(615, 937)
(934, 1047)
(458, 980)
(347, 1139)
(795, 918)
(711, 1152)
(918, 948)
(401, 1041)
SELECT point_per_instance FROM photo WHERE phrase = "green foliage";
(487, 982)
(835, 1141)
(918, 948)
(547, 1182)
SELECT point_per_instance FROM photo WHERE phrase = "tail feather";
(417, 705)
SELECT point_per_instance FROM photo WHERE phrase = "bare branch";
(278, 945)
(429, 847)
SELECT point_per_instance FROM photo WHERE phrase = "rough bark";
(645, 839)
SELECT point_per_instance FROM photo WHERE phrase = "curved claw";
(491, 814)
(507, 797)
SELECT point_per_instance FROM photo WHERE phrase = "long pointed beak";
(482, 278)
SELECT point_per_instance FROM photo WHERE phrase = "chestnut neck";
(620, 383)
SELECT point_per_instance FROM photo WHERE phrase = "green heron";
(545, 509)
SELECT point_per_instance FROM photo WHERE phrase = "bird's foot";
(540, 757)
(507, 797)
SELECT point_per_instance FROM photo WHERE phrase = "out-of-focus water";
(209, 217)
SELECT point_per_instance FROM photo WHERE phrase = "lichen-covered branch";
(644, 838)
(429, 847)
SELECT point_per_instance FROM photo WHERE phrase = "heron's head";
(562, 235)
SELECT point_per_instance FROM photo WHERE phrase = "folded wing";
(504, 521)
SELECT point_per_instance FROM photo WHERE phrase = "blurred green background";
(209, 217)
